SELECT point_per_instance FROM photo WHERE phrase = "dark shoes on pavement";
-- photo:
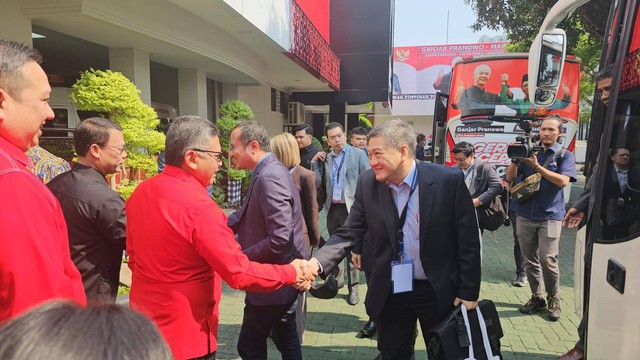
(553, 309)
(353, 297)
(368, 330)
(519, 281)
(573, 354)
(534, 304)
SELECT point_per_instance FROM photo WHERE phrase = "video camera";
(525, 146)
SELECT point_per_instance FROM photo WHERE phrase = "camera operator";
(540, 217)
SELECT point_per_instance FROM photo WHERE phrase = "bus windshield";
(489, 99)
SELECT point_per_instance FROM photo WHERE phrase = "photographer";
(540, 216)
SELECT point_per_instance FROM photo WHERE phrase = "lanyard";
(344, 155)
(469, 172)
(403, 217)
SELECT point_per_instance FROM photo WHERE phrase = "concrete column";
(134, 64)
(13, 24)
(192, 92)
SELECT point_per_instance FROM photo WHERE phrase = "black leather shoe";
(353, 297)
(369, 329)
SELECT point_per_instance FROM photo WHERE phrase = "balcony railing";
(309, 48)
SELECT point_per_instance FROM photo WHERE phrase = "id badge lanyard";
(401, 270)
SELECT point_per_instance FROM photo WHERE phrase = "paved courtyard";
(332, 325)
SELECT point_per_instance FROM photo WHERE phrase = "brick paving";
(332, 325)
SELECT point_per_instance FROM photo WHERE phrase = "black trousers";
(336, 217)
(260, 322)
(397, 322)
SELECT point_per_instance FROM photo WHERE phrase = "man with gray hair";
(35, 265)
(475, 100)
(419, 271)
(179, 245)
(270, 229)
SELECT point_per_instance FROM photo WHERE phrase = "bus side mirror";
(546, 60)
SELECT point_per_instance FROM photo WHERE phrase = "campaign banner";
(420, 71)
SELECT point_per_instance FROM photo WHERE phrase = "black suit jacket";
(619, 208)
(449, 236)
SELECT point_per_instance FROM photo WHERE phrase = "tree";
(521, 19)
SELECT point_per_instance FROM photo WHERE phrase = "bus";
(487, 101)
(607, 282)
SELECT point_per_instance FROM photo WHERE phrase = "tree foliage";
(112, 93)
(521, 19)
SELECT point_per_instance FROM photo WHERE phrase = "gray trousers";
(539, 243)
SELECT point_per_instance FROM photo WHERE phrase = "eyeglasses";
(120, 149)
(214, 154)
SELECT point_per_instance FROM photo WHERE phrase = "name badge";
(402, 276)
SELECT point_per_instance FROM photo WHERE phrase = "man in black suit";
(304, 136)
(619, 207)
(435, 252)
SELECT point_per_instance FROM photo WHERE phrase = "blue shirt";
(411, 228)
(337, 182)
(548, 204)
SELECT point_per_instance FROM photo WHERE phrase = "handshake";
(306, 272)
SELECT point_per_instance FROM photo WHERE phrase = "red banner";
(417, 68)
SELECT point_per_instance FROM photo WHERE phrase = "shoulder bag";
(529, 187)
(467, 335)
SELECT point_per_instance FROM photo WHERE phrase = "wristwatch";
(515, 161)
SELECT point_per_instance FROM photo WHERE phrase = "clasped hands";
(306, 272)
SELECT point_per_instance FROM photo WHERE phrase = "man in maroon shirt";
(35, 265)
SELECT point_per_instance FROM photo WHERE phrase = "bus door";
(437, 142)
(613, 265)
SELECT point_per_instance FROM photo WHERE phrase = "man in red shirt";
(179, 244)
(35, 264)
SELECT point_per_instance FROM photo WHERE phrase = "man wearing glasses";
(94, 213)
(342, 166)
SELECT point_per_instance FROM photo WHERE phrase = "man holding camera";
(540, 216)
